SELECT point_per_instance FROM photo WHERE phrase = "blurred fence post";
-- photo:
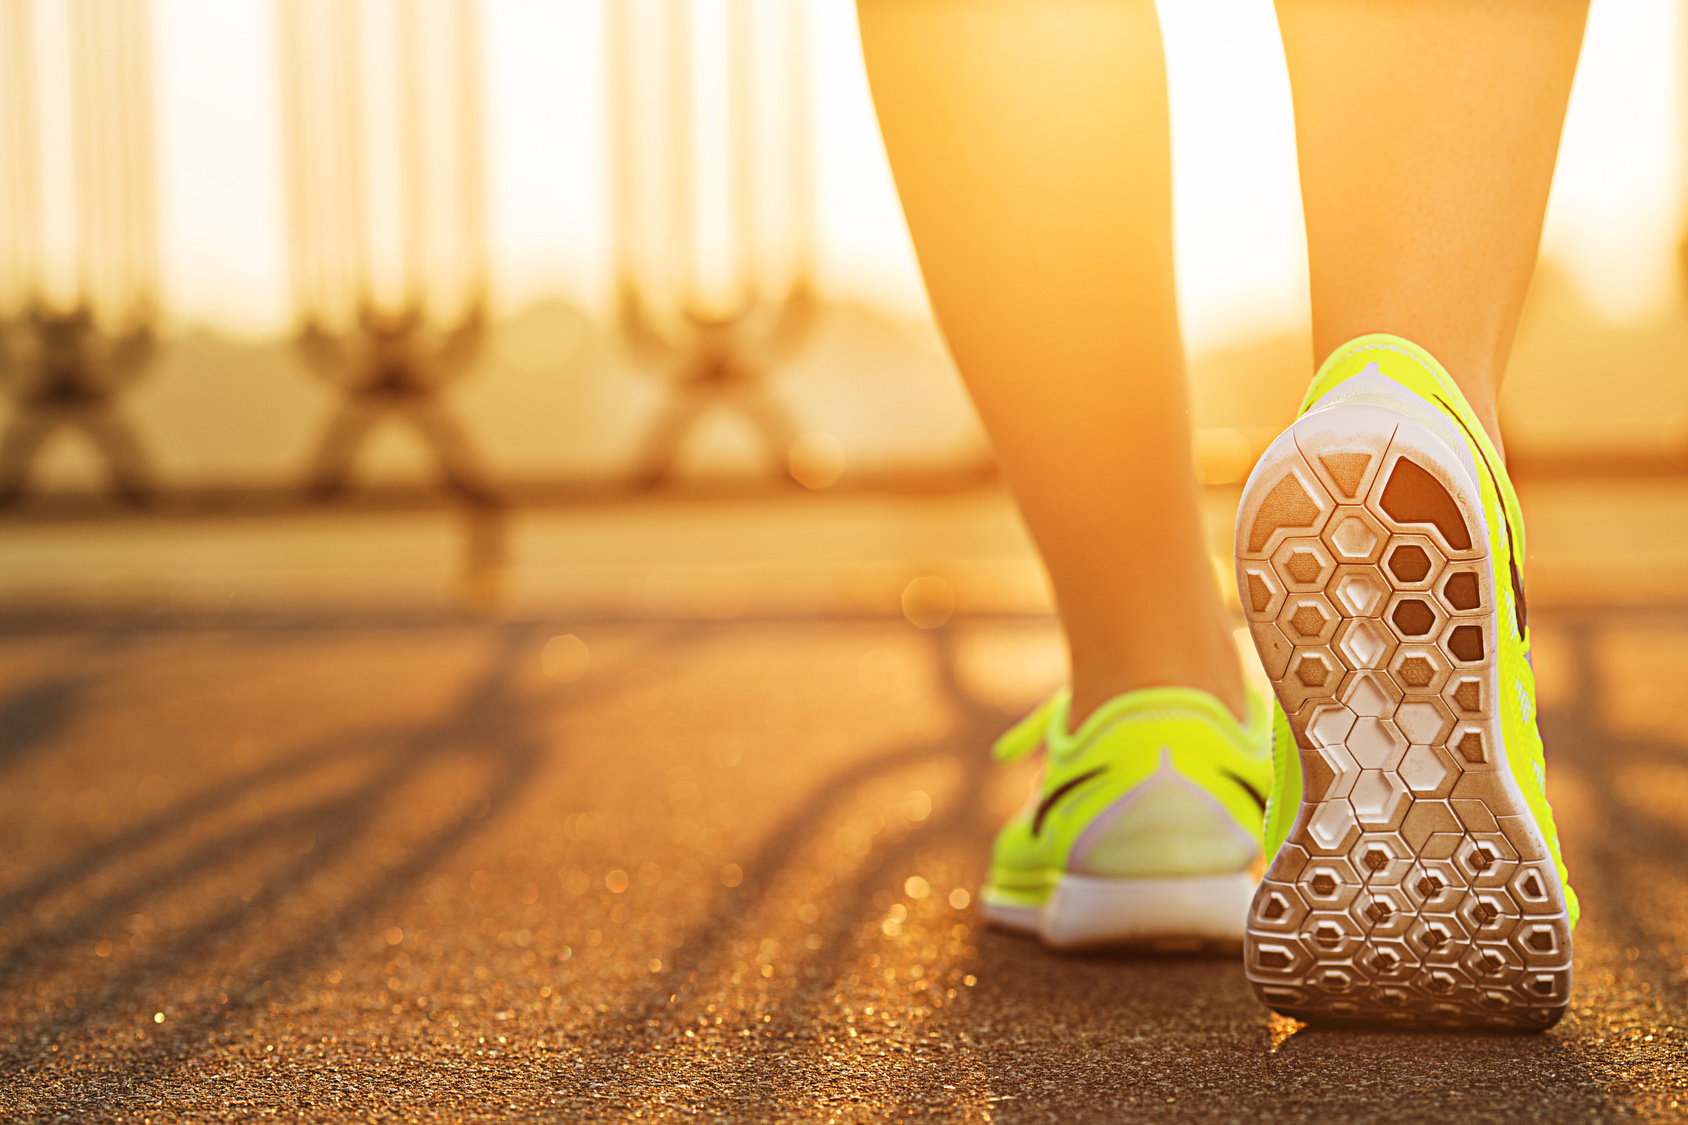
(386, 191)
(713, 196)
(78, 230)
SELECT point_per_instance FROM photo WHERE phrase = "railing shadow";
(1618, 861)
(35, 714)
(1094, 993)
(491, 727)
(973, 728)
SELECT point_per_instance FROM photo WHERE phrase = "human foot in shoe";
(1414, 873)
(1145, 828)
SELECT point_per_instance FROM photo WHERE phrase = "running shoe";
(1414, 871)
(1145, 828)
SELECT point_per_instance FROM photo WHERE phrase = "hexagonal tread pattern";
(1414, 889)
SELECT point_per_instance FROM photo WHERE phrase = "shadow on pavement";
(352, 783)
(864, 1013)
(33, 715)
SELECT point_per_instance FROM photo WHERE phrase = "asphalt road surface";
(435, 869)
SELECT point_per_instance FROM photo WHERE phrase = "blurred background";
(608, 306)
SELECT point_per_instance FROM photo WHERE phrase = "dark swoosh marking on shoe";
(1062, 790)
(1252, 791)
(1500, 502)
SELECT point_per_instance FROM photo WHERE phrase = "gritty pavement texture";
(430, 868)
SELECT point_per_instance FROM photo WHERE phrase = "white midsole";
(1085, 910)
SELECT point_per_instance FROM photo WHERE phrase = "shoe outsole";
(1415, 887)
(1164, 914)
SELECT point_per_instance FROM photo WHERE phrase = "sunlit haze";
(1242, 267)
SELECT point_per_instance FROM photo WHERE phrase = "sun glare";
(1243, 268)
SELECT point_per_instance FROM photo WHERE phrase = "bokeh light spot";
(153, 793)
(816, 460)
(917, 805)
(564, 658)
(928, 602)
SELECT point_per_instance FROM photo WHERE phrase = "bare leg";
(1427, 132)
(1030, 144)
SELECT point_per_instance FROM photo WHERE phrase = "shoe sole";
(1174, 912)
(1415, 887)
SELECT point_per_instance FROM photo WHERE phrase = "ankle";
(1219, 674)
(1489, 415)
(1478, 387)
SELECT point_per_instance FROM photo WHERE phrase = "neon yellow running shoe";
(1145, 827)
(1414, 870)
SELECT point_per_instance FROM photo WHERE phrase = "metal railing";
(385, 172)
(78, 232)
(712, 157)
